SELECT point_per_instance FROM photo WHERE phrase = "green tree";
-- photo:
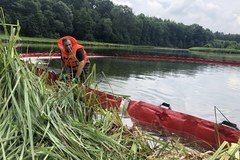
(63, 18)
(104, 8)
(27, 12)
(49, 29)
(83, 24)
(123, 21)
(103, 21)
(103, 30)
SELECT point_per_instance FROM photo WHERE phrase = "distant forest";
(102, 21)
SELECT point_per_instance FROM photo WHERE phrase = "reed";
(227, 151)
(38, 121)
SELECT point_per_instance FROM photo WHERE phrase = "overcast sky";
(217, 15)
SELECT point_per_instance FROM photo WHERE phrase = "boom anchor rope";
(225, 122)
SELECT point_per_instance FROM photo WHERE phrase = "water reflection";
(128, 67)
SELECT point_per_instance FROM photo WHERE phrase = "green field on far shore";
(215, 50)
(49, 42)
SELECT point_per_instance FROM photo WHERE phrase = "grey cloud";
(217, 15)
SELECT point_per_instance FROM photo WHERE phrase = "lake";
(192, 88)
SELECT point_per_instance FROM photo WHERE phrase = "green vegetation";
(58, 121)
(215, 50)
(39, 121)
(52, 42)
(102, 21)
(227, 151)
(224, 44)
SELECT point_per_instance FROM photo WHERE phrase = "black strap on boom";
(166, 105)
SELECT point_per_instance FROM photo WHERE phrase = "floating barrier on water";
(147, 57)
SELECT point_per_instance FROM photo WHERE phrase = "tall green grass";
(227, 151)
(38, 121)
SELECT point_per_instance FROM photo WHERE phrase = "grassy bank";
(51, 41)
(32, 45)
(215, 50)
(34, 42)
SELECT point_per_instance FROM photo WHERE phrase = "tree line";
(101, 20)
